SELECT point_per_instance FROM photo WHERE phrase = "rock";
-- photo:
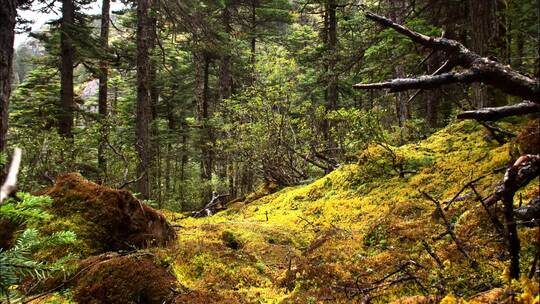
(103, 218)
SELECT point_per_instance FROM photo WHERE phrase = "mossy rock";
(104, 219)
(115, 278)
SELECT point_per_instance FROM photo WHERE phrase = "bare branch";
(422, 82)
(479, 69)
(10, 184)
(496, 113)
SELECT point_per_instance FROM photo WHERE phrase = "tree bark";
(254, 4)
(103, 87)
(8, 13)
(332, 76)
(144, 109)
(202, 64)
(67, 103)
(225, 86)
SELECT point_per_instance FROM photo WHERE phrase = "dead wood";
(496, 113)
(10, 184)
(450, 231)
(212, 207)
(529, 215)
(477, 68)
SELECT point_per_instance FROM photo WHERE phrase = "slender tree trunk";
(225, 90)
(225, 86)
(103, 87)
(144, 107)
(202, 64)
(254, 5)
(401, 106)
(171, 126)
(332, 76)
(487, 35)
(66, 71)
(8, 13)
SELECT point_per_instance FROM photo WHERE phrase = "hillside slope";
(359, 231)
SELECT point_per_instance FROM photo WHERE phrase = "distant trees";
(196, 97)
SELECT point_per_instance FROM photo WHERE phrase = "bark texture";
(103, 87)
(67, 102)
(8, 13)
(144, 109)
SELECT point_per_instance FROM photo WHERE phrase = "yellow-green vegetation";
(321, 242)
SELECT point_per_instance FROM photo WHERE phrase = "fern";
(18, 262)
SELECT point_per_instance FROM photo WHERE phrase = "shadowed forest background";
(276, 112)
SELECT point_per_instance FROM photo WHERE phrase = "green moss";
(361, 220)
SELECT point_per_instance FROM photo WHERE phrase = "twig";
(432, 254)
(451, 232)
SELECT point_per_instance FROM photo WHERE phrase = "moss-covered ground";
(324, 241)
(362, 230)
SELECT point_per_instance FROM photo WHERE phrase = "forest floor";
(360, 234)
(362, 230)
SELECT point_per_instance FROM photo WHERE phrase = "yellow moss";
(300, 244)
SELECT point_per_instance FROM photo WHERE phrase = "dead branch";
(530, 213)
(422, 82)
(432, 253)
(498, 225)
(386, 281)
(211, 207)
(496, 113)
(521, 173)
(450, 230)
(10, 184)
(478, 68)
(525, 169)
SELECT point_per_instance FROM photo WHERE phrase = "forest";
(270, 151)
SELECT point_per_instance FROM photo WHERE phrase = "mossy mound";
(114, 278)
(324, 242)
(104, 219)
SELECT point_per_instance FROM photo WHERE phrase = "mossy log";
(103, 218)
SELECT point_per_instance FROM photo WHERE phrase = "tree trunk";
(66, 71)
(8, 13)
(332, 76)
(202, 65)
(103, 87)
(486, 35)
(144, 109)
(401, 106)
(225, 86)
(253, 41)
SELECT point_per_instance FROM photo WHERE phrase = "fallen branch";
(498, 225)
(432, 253)
(422, 82)
(210, 208)
(450, 230)
(529, 213)
(478, 68)
(496, 113)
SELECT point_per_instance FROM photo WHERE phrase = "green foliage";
(21, 261)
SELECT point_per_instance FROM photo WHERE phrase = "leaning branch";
(478, 68)
(10, 184)
(422, 82)
(492, 114)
